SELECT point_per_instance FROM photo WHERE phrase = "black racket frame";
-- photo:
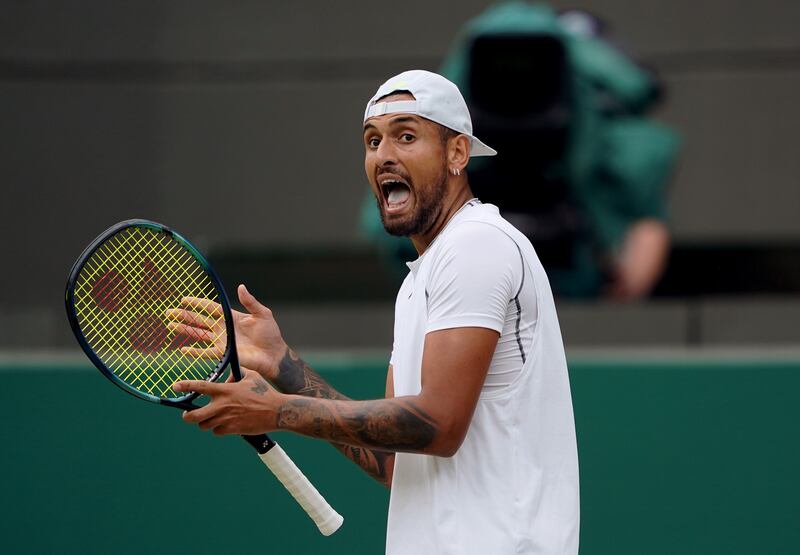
(261, 443)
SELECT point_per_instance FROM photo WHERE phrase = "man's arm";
(434, 422)
(295, 376)
(261, 348)
(378, 464)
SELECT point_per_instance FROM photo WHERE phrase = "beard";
(427, 207)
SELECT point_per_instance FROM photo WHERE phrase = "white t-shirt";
(512, 487)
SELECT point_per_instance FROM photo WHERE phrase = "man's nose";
(386, 154)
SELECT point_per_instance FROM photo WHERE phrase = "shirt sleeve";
(474, 279)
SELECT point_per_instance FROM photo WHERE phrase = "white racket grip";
(323, 515)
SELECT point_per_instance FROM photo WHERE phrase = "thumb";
(198, 386)
(250, 302)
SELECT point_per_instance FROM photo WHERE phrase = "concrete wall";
(188, 112)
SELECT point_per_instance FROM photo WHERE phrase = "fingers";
(186, 335)
(205, 306)
(213, 416)
(192, 333)
(210, 352)
(207, 418)
(198, 386)
(221, 430)
(250, 302)
(201, 416)
(191, 318)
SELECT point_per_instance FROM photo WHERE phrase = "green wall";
(676, 457)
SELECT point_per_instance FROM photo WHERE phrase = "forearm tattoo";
(378, 464)
(386, 424)
(297, 377)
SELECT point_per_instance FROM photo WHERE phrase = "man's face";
(406, 166)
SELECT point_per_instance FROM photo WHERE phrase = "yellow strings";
(158, 272)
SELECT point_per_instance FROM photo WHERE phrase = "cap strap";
(381, 108)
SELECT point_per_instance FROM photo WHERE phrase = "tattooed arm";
(389, 424)
(378, 464)
(295, 376)
(434, 421)
(261, 348)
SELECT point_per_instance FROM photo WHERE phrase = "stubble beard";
(427, 210)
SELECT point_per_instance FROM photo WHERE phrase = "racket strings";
(121, 296)
(147, 332)
(137, 333)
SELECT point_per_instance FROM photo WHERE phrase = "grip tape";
(323, 515)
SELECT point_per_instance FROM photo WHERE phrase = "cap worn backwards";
(435, 98)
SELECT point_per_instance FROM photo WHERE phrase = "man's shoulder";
(473, 244)
(480, 227)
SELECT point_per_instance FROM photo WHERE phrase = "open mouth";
(396, 193)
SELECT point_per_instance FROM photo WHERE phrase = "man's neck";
(449, 208)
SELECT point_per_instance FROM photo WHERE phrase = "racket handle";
(323, 515)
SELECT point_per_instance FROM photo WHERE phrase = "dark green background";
(686, 457)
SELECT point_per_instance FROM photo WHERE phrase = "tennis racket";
(117, 294)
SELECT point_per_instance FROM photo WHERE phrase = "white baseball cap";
(435, 98)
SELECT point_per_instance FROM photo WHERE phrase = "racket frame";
(184, 402)
(271, 454)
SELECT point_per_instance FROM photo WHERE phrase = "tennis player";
(476, 436)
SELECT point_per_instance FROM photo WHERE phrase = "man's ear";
(458, 152)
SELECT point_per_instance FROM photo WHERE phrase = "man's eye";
(373, 142)
(407, 137)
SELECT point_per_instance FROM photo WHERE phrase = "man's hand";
(258, 339)
(247, 407)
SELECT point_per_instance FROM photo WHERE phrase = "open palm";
(258, 338)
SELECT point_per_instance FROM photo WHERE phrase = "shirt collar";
(413, 265)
